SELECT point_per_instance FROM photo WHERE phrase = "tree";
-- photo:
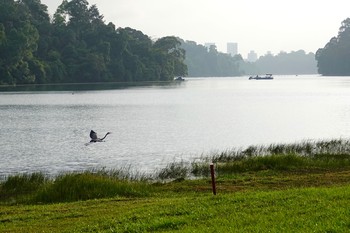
(84, 53)
(40, 19)
(77, 46)
(171, 56)
(209, 63)
(18, 42)
(295, 62)
(334, 58)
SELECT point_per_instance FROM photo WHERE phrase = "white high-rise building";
(232, 48)
(252, 56)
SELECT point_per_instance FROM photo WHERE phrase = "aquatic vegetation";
(21, 185)
(174, 170)
(39, 188)
(87, 185)
(295, 156)
(125, 182)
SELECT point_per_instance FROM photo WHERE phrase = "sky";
(261, 26)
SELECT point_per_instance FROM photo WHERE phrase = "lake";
(154, 125)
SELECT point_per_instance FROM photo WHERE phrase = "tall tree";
(40, 19)
(334, 58)
(18, 42)
(77, 46)
(171, 56)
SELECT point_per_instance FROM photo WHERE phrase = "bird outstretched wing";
(93, 135)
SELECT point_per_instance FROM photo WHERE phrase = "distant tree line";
(295, 62)
(76, 45)
(204, 62)
(334, 58)
(208, 62)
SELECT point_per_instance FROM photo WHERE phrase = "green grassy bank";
(291, 210)
(302, 187)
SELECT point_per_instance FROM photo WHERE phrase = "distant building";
(232, 48)
(208, 45)
(252, 56)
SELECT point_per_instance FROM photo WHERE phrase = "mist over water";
(152, 126)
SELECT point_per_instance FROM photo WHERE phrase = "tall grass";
(305, 155)
(102, 183)
(122, 173)
(77, 186)
(21, 185)
(87, 185)
(175, 170)
(307, 148)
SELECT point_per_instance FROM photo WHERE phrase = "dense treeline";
(204, 62)
(334, 58)
(295, 62)
(76, 45)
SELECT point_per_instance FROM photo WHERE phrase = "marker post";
(212, 172)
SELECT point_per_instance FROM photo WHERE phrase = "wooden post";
(212, 172)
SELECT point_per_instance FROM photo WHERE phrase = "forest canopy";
(76, 45)
(293, 63)
(208, 62)
(334, 58)
(204, 62)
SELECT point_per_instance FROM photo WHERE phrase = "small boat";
(266, 77)
(179, 79)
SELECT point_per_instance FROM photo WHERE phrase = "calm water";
(152, 126)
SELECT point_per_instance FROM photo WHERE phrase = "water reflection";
(72, 87)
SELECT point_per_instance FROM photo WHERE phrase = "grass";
(301, 187)
(85, 186)
(21, 186)
(37, 188)
(307, 155)
(295, 210)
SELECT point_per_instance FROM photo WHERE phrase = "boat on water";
(257, 77)
(179, 79)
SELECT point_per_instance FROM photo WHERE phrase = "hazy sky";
(259, 25)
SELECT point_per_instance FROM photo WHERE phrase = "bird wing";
(93, 135)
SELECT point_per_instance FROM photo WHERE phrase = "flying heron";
(94, 137)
